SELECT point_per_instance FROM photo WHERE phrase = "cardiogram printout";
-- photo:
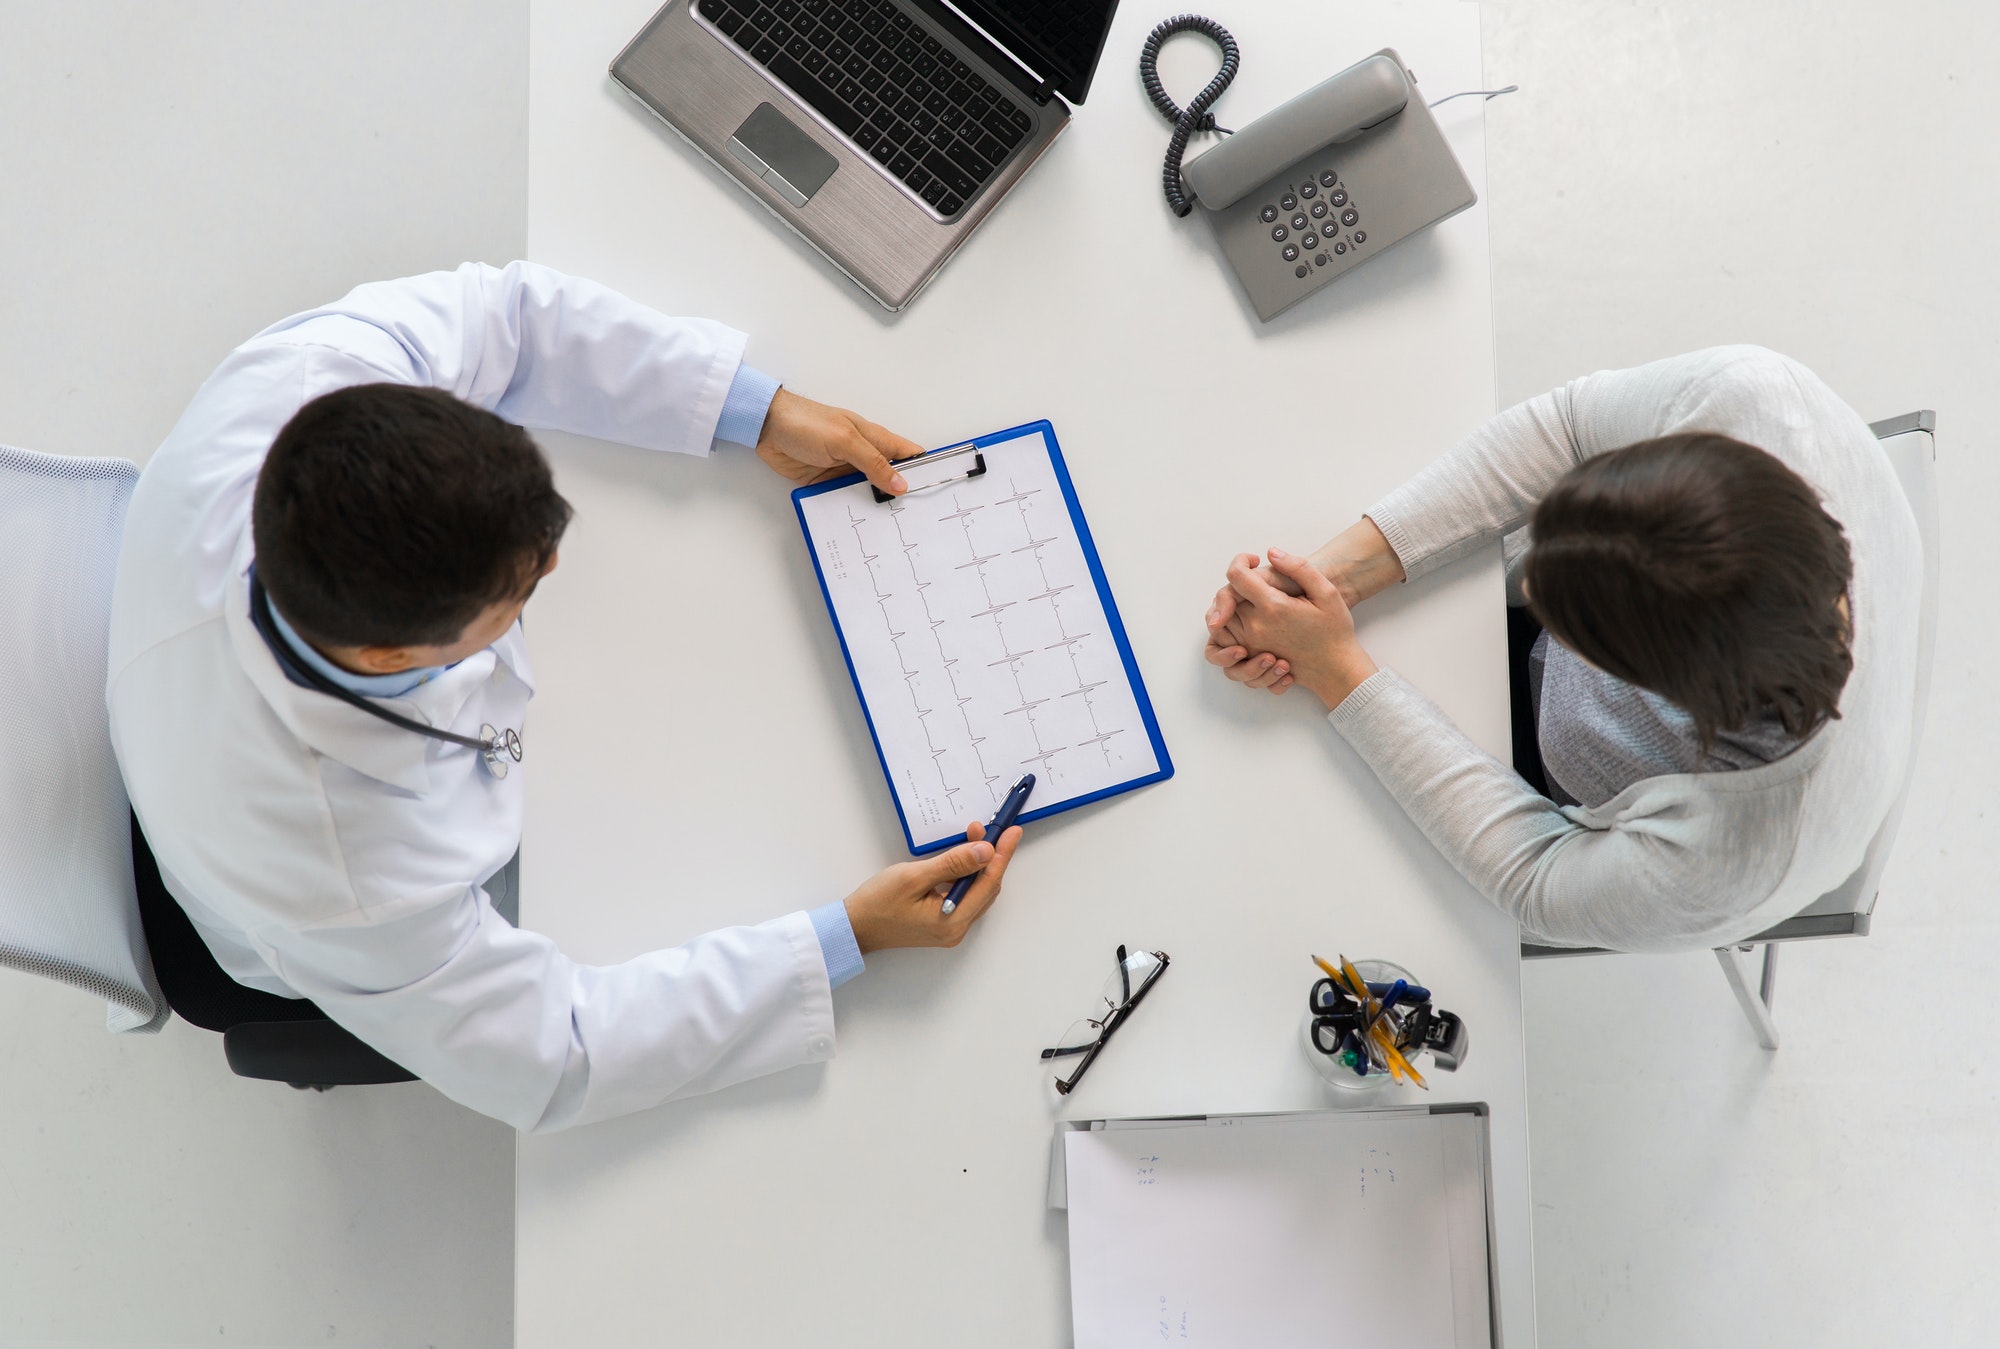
(982, 639)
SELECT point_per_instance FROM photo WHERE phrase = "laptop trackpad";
(773, 148)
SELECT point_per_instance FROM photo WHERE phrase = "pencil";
(1398, 1065)
(1392, 1056)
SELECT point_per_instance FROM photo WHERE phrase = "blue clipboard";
(1165, 768)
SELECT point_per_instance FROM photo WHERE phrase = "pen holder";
(1329, 1067)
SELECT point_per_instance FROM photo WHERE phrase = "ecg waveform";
(977, 632)
(904, 575)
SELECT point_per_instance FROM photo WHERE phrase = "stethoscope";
(495, 747)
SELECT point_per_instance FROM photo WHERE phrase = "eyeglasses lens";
(1082, 1034)
(1079, 1037)
(1139, 967)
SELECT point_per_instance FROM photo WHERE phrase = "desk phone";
(1321, 184)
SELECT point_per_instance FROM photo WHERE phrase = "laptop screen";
(1060, 39)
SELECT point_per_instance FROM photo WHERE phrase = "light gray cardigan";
(1683, 860)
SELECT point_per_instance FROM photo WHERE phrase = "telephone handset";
(1320, 184)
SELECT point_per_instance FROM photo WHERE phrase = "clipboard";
(974, 484)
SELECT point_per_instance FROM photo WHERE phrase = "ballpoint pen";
(1002, 821)
(1375, 1034)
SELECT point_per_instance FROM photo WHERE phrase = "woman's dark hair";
(1704, 570)
(387, 515)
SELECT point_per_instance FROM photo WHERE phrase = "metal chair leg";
(1757, 1005)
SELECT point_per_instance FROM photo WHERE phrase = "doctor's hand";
(901, 905)
(807, 441)
(1307, 638)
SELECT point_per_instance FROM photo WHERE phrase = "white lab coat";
(323, 853)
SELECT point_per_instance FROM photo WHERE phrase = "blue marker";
(1002, 821)
(1388, 1000)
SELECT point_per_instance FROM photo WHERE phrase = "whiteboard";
(1358, 1228)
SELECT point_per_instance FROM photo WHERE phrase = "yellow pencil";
(1351, 977)
(1398, 1065)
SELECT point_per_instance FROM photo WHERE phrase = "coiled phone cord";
(1196, 116)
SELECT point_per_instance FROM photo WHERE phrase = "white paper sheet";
(1310, 1230)
(982, 649)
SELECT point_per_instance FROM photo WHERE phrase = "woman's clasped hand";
(1284, 619)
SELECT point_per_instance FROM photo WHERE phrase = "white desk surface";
(699, 757)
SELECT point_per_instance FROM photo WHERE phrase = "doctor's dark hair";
(1703, 569)
(387, 515)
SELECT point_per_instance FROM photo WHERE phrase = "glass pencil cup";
(1330, 1069)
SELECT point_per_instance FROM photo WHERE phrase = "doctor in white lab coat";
(325, 853)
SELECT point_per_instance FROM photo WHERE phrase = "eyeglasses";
(1122, 993)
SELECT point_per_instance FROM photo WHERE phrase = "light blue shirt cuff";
(836, 942)
(745, 406)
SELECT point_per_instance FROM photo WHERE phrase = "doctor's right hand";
(902, 905)
(810, 442)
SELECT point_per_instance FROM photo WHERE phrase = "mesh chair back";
(1910, 445)
(67, 906)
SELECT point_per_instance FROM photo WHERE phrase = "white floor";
(1812, 175)
(1816, 177)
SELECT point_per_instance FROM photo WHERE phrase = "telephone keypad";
(1311, 223)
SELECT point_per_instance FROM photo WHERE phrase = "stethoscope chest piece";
(501, 750)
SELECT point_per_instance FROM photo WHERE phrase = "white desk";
(700, 758)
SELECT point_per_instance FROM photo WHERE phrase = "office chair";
(1909, 442)
(81, 900)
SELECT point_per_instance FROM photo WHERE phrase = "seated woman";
(1728, 576)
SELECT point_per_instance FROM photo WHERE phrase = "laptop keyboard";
(889, 85)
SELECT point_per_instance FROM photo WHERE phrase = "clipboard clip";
(918, 471)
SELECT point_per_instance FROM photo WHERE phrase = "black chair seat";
(264, 1036)
(306, 1054)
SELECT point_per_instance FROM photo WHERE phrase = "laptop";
(881, 131)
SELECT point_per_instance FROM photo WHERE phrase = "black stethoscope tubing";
(490, 747)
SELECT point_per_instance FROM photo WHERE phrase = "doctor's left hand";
(807, 441)
(902, 905)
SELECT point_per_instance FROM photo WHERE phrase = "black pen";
(1002, 821)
